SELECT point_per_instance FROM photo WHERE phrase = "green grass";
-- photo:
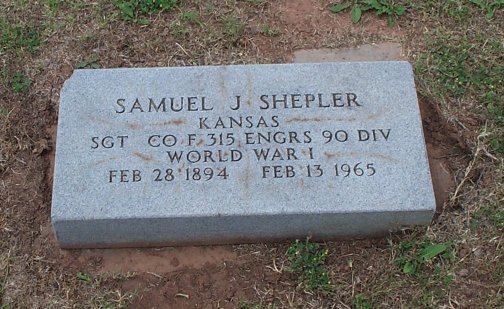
(20, 83)
(19, 37)
(136, 10)
(268, 31)
(233, 27)
(54, 5)
(492, 214)
(361, 302)
(467, 68)
(307, 261)
(489, 6)
(189, 16)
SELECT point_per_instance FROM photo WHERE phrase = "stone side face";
(231, 154)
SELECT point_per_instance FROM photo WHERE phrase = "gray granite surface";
(345, 154)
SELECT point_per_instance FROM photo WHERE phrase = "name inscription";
(213, 142)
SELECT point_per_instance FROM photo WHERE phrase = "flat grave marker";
(233, 154)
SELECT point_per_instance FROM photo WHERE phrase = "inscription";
(212, 143)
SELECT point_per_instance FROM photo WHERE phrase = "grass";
(467, 68)
(489, 6)
(20, 83)
(233, 27)
(182, 27)
(19, 36)
(307, 261)
(415, 256)
(380, 7)
(268, 31)
(136, 10)
(493, 214)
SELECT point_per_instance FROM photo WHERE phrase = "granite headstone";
(235, 154)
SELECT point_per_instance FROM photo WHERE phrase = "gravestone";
(235, 154)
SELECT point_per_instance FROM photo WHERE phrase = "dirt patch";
(313, 16)
(440, 150)
(163, 260)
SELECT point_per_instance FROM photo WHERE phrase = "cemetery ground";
(457, 50)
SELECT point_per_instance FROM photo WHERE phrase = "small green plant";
(189, 16)
(490, 213)
(268, 31)
(497, 143)
(307, 260)
(84, 277)
(53, 5)
(426, 253)
(233, 27)
(21, 83)
(490, 7)
(90, 63)
(131, 10)
(179, 29)
(360, 302)
(382, 7)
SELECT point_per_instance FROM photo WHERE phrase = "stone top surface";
(339, 137)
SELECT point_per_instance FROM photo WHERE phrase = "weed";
(491, 213)
(381, 7)
(131, 10)
(179, 29)
(233, 27)
(21, 83)
(84, 277)
(90, 63)
(497, 142)
(19, 36)
(53, 5)
(360, 302)
(268, 31)
(189, 16)
(426, 253)
(490, 7)
(307, 260)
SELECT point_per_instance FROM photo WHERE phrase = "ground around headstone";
(52, 39)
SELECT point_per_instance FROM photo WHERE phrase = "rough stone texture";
(90, 210)
(369, 52)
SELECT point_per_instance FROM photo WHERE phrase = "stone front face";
(230, 154)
